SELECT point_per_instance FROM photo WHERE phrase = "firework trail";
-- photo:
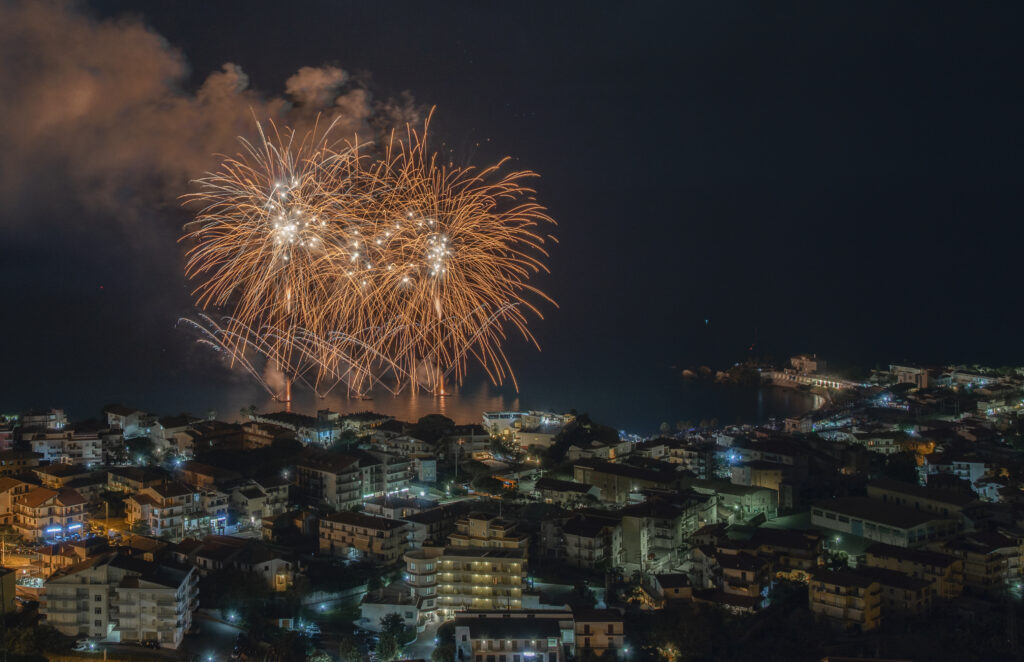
(345, 262)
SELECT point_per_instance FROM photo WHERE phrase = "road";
(424, 644)
(214, 642)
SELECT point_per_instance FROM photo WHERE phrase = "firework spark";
(339, 262)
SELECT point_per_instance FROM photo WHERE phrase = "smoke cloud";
(96, 113)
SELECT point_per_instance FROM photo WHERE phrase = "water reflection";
(462, 406)
(639, 410)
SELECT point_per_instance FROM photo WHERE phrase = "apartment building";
(539, 635)
(565, 492)
(44, 419)
(901, 594)
(992, 561)
(598, 632)
(653, 531)
(263, 497)
(592, 542)
(334, 479)
(131, 422)
(617, 482)
(450, 579)
(122, 600)
(10, 489)
(479, 530)
(361, 536)
(534, 636)
(42, 514)
(171, 509)
(944, 572)
(14, 462)
(846, 599)
(132, 479)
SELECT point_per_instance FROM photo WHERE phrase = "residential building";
(592, 542)
(361, 536)
(215, 553)
(565, 492)
(847, 599)
(672, 586)
(395, 598)
(538, 636)
(397, 507)
(617, 482)
(264, 497)
(945, 572)
(479, 530)
(432, 527)
(332, 478)
(902, 594)
(450, 579)
(992, 560)
(599, 633)
(200, 475)
(10, 490)
(909, 374)
(738, 502)
(166, 431)
(132, 479)
(115, 598)
(171, 509)
(794, 554)
(44, 419)
(44, 514)
(131, 422)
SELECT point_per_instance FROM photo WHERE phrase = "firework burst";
(340, 262)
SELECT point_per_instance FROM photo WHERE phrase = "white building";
(120, 599)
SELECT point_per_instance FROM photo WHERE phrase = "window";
(97, 598)
(97, 610)
(98, 624)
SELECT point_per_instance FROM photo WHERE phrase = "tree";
(664, 428)
(348, 650)
(487, 484)
(344, 440)
(443, 653)
(388, 649)
(318, 656)
(392, 624)
(446, 633)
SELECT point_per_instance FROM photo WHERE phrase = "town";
(893, 512)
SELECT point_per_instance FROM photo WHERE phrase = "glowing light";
(456, 281)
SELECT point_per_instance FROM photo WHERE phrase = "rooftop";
(950, 497)
(364, 520)
(876, 511)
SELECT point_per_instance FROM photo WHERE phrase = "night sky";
(841, 178)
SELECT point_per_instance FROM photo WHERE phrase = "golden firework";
(340, 263)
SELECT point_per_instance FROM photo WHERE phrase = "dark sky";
(833, 177)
